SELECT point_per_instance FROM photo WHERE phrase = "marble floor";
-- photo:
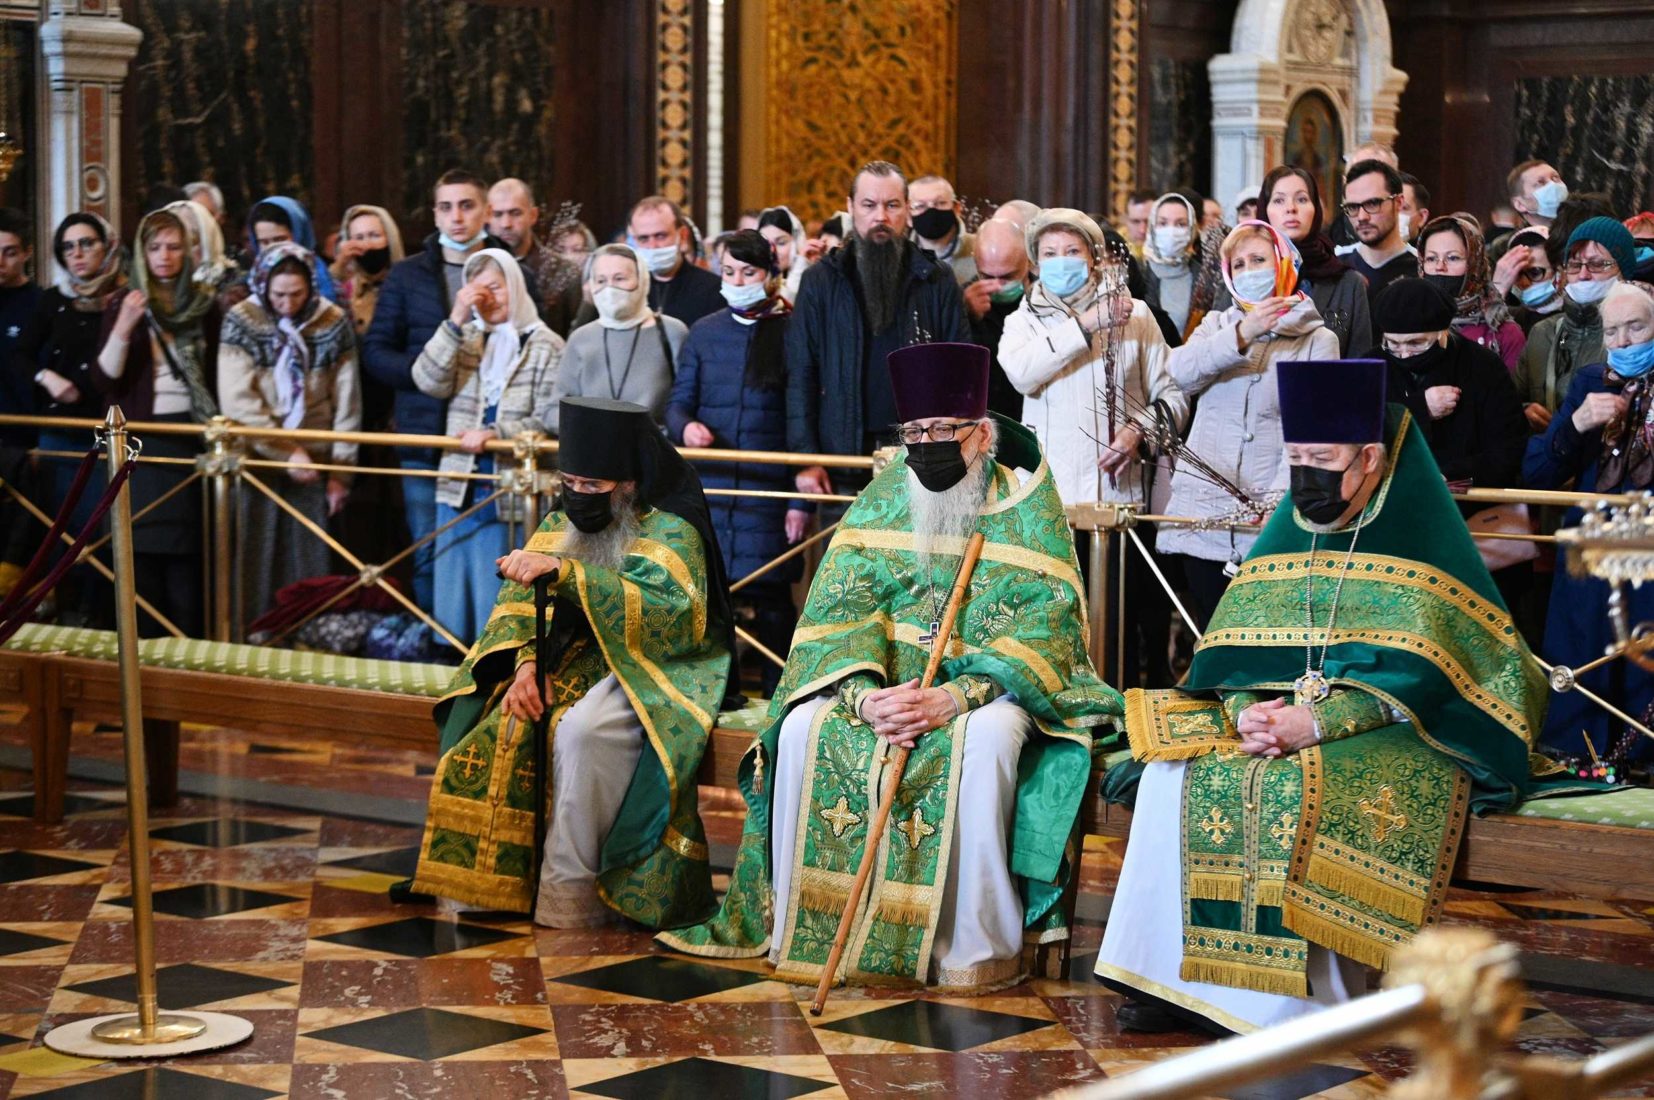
(277, 913)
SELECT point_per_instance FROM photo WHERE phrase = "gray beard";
(950, 514)
(607, 548)
(881, 270)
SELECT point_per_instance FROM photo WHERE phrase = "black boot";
(1141, 1016)
(403, 893)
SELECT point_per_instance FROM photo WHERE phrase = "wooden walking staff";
(893, 777)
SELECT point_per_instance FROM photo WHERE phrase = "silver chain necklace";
(1312, 686)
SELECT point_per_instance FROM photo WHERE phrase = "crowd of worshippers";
(1142, 358)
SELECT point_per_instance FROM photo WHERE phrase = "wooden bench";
(59, 689)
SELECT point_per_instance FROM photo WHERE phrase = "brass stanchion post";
(527, 453)
(1097, 583)
(220, 464)
(150, 1033)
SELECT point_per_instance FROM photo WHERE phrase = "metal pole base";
(121, 1036)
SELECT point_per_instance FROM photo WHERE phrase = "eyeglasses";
(1406, 349)
(1595, 267)
(945, 432)
(82, 244)
(1535, 274)
(1370, 206)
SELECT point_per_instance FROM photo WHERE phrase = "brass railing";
(1455, 999)
(224, 469)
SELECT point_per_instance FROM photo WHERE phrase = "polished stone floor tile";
(936, 1025)
(23, 806)
(425, 1033)
(398, 861)
(210, 899)
(27, 866)
(966, 1074)
(517, 1079)
(1572, 975)
(1309, 1081)
(221, 832)
(14, 942)
(156, 1083)
(419, 937)
(707, 1028)
(702, 1078)
(659, 978)
(185, 985)
(410, 983)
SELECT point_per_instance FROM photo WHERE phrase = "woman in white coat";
(1055, 351)
(1228, 363)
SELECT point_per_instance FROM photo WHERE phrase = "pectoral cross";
(929, 637)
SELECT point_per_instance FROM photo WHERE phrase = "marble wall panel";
(1597, 130)
(477, 92)
(1179, 126)
(221, 90)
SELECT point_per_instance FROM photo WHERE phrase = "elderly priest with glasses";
(636, 664)
(1359, 689)
(972, 863)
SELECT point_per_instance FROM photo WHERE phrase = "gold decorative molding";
(856, 80)
(1122, 104)
(675, 100)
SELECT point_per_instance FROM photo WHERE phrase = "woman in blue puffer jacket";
(731, 392)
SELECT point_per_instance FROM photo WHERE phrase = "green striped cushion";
(748, 719)
(1629, 808)
(296, 666)
(76, 641)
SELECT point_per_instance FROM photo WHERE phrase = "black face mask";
(1422, 363)
(934, 224)
(938, 466)
(374, 260)
(589, 512)
(1450, 285)
(1318, 494)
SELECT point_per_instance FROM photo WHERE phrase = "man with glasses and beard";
(1006, 730)
(638, 659)
(877, 293)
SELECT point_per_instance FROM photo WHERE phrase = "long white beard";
(607, 548)
(950, 514)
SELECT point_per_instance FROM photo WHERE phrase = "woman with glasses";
(1228, 368)
(1290, 201)
(1453, 256)
(58, 349)
(1599, 251)
(1078, 345)
(1536, 284)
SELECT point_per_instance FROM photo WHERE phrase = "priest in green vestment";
(1360, 688)
(638, 657)
(976, 853)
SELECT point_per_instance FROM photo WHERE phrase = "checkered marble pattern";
(279, 915)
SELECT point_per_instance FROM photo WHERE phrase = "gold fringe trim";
(1145, 709)
(820, 899)
(1269, 893)
(1335, 937)
(1213, 886)
(485, 891)
(1287, 983)
(1352, 883)
(910, 914)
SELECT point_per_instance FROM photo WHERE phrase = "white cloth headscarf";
(504, 341)
(635, 309)
(206, 236)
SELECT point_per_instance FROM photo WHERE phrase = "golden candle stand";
(149, 1033)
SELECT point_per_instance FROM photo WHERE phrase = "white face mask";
(1547, 197)
(661, 260)
(1171, 240)
(1254, 286)
(1589, 294)
(614, 303)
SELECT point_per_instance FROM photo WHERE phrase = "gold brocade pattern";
(884, 72)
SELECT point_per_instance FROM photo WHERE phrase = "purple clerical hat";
(1332, 400)
(940, 380)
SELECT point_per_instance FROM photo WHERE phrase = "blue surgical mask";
(661, 260)
(1255, 285)
(1538, 294)
(1171, 241)
(1589, 294)
(1634, 361)
(743, 297)
(1645, 256)
(1550, 196)
(1062, 275)
(460, 246)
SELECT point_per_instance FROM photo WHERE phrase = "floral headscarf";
(1478, 303)
(1288, 261)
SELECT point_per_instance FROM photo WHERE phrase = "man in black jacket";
(677, 287)
(877, 293)
(416, 297)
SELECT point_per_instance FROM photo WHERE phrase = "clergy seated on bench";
(639, 644)
(1359, 688)
(972, 860)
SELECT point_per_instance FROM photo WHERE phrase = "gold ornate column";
(854, 80)
(675, 100)
(1122, 105)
